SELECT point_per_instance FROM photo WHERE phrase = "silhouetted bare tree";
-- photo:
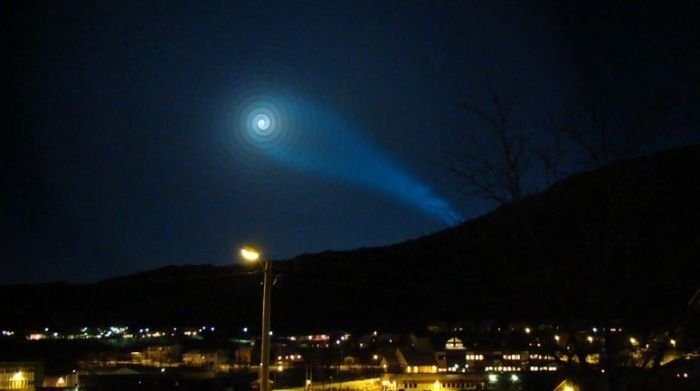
(495, 159)
(492, 159)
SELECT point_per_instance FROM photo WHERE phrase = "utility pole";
(265, 346)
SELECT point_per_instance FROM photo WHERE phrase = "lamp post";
(250, 254)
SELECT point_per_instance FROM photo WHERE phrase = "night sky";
(125, 128)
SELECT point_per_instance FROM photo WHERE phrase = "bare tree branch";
(495, 172)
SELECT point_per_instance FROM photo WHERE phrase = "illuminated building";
(411, 360)
(204, 358)
(567, 385)
(24, 376)
(454, 343)
(69, 380)
(433, 382)
(243, 355)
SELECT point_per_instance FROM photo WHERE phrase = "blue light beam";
(313, 139)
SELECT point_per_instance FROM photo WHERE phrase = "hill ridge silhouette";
(619, 242)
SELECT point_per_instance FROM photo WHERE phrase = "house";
(411, 360)
(454, 343)
(567, 385)
(243, 355)
(24, 376)
(434, 382)
(204, 358)
(157, 355)
(69, 380)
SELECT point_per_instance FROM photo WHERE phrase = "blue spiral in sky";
(305, 136)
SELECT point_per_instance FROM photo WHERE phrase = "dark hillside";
(619, 242)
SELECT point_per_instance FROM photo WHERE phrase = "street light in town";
(251, 254)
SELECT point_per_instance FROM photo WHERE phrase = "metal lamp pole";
(250, 254)
(265, 346)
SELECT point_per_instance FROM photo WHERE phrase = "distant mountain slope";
(619, 242)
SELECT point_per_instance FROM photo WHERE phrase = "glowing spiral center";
(262, 124)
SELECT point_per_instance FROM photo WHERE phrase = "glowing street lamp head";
(249, 254)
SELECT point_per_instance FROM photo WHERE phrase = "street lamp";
(250, 254)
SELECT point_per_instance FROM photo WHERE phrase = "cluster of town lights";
(113, 332)
(289, 357)
(494, 378)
